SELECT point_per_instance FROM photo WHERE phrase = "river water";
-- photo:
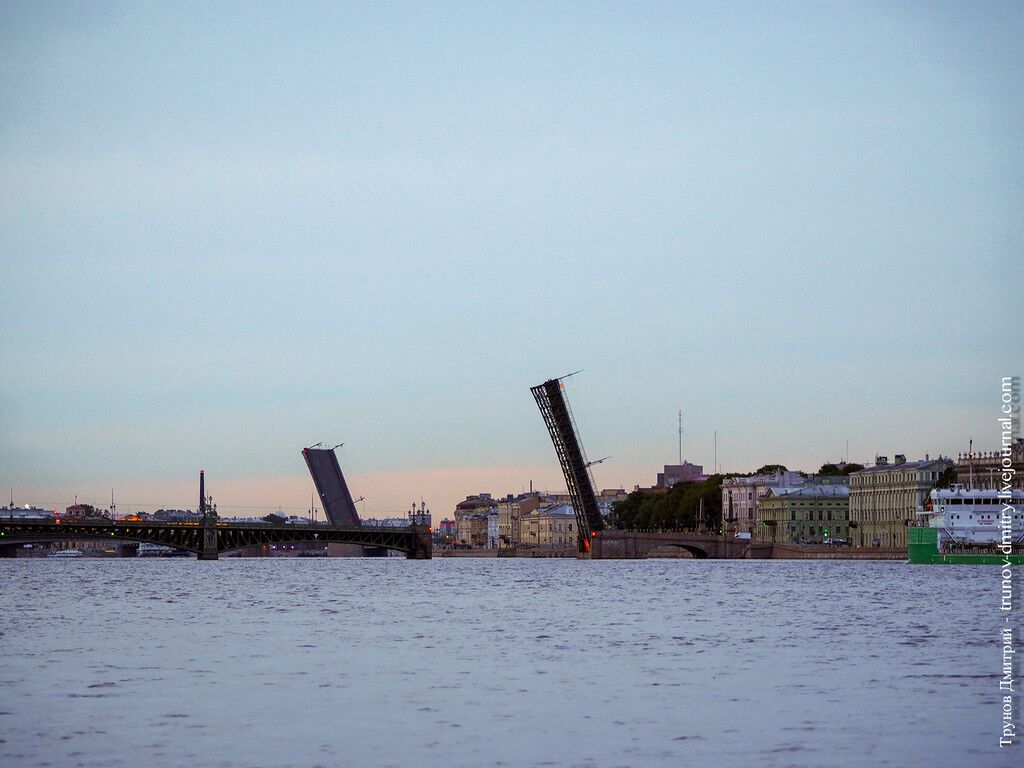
(474, 662)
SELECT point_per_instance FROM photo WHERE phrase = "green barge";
(923, 547)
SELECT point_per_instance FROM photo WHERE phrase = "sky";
(228, 231)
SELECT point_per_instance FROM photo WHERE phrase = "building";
(85, 512)
(478, 529)
(471, 529)
(810, 512)
(492, 528)
(445, 533)
(511, 510)
(471, 519)
(885, 499)
(26, 512)
(176, 516)
(608, 497)
(552, 526)
(376, 522)
(680, 473)
(984, 469)
(741, 495)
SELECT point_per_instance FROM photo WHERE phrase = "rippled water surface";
(472, 662)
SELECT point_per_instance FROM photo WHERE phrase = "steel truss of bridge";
(208, 539)
(554, 408)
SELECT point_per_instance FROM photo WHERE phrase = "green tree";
(946, 478)
(833, 470)
(684, 506)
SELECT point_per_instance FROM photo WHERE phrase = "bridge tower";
(554, 407)
(208, 524)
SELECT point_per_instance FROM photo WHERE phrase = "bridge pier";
(423, 547)
(208, 545)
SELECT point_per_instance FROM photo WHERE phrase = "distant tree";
(946, 478)
(624, 513)
(275, 519)
(684, 506)
(771, 469)
(832, 470)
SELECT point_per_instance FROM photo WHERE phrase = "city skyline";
(391, 222)
(592, 250)
(383, 491)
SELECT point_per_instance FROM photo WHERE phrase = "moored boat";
(969, 527)
(66, 553)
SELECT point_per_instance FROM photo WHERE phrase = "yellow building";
(885, 498)
(811, 512)
(549, 527)
(511, 511)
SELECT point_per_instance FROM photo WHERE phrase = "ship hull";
(923, 549)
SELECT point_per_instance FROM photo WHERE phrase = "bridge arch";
(674, 549)
(697, 552)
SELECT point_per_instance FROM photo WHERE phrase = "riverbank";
(756, 550)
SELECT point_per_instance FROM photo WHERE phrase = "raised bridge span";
(210, 538)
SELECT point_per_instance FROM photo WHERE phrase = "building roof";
(904, 466)
(811, 492)
(960, 491)
(476, 502)
(555, 509)
(776, 479)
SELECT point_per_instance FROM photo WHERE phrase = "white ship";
(66, 553)
(972, 516)
(153, 550)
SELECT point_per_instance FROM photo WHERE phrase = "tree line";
(692, 506)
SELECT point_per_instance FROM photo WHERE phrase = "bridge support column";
(208, 544)
(423, 549)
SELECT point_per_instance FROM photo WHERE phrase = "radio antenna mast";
(680, 435)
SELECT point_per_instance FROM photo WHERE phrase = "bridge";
(615, 545)
(212, 536)
(557, 415)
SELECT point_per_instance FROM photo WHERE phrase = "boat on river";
(66, 553)
(969, 526)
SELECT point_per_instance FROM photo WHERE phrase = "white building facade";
(741, 495)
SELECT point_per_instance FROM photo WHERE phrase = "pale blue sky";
(230, 230)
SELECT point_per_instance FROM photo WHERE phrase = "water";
(471, 662)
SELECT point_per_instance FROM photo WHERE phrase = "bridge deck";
(414, 541)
